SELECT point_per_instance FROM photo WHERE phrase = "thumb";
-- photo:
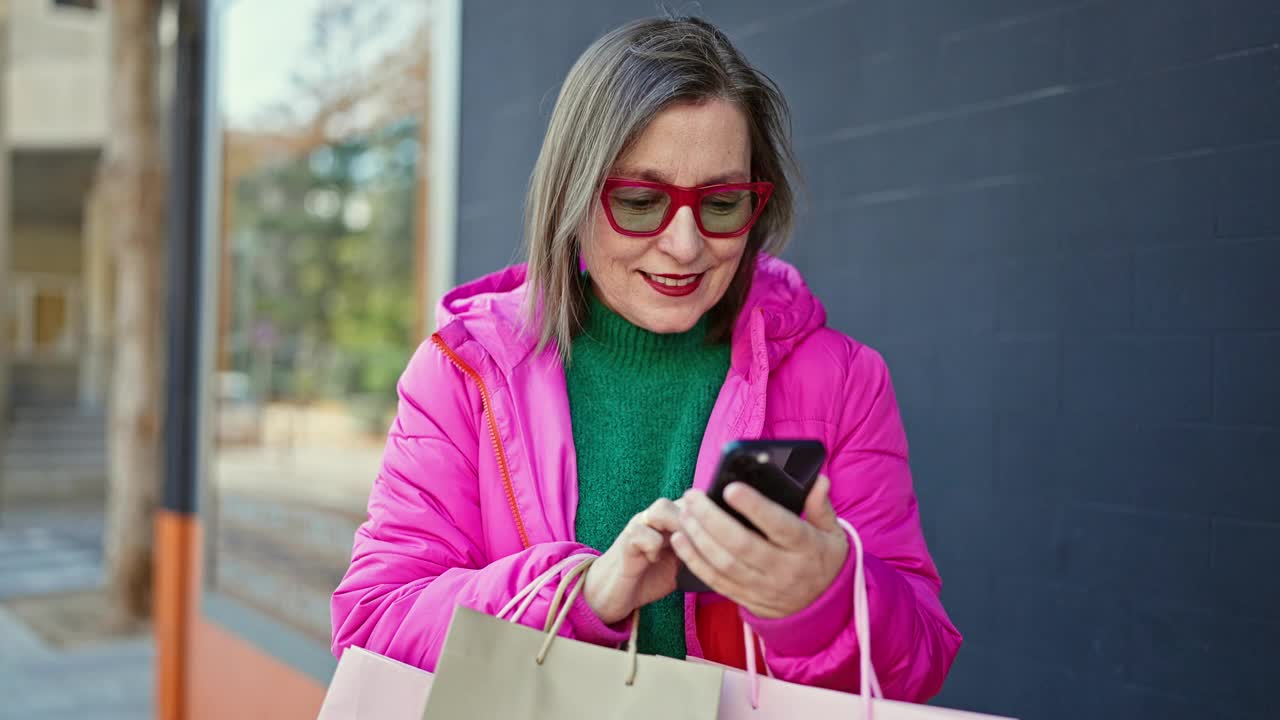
(817, 507)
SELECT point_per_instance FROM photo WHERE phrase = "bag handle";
(570, 578)
(525, 597)
(578, 578)
(869, 684)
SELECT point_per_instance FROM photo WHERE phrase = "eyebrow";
(658, 176)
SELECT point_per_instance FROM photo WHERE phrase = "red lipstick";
(687, 288)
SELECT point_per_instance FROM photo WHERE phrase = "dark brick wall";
(1060, 222)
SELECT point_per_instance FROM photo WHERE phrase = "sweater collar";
(611, 330)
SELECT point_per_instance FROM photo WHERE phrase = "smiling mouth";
(672, 281)
(674, 285)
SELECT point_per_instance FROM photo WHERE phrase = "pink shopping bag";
(778, 700)
(369, 686)
(746, 696)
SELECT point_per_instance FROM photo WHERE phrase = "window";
(321, 284)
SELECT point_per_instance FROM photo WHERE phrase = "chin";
(668, 324)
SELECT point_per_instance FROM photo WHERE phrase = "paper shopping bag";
(780, 700)
(368, 686)
(495, 669)
(746, 696)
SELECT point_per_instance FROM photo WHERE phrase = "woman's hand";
(772, 576)
(638, 568)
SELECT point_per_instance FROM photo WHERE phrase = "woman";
(580, 404)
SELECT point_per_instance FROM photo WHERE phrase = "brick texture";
(1059, 222)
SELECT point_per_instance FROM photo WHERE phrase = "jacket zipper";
(498, 450)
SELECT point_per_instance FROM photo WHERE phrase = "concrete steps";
(54, 451)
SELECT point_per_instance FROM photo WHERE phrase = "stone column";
(6, 226)
(95, 370)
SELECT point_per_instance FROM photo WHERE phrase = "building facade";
(56, 311)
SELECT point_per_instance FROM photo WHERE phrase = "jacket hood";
(491, 309)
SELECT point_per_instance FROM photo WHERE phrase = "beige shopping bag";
(369, 686)
(495, 669)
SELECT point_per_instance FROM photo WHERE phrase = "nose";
(681, 240)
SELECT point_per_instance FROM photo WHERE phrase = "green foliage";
(323, 269)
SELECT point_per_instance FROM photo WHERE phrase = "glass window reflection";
(321, 285)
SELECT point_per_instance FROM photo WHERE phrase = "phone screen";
(782, 470)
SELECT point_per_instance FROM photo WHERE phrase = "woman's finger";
(817, 507)
(647, 541)
(783, 527)
(663, 515)
(726, 557)
(742, 543)
(698, 565)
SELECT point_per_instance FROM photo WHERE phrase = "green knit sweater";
(640, 402)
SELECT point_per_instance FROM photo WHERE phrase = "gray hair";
(618, 85)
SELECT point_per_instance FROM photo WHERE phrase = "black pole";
(182, 422)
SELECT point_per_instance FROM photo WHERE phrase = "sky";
(265, 41)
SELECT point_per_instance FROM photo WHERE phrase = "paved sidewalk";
(59, 551)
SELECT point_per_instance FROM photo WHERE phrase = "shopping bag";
(369, 686)
(746, 696)
(778, 700)
(494, 669)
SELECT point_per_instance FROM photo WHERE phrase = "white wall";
(56, 76)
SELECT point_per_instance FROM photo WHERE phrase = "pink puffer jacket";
(478, 487)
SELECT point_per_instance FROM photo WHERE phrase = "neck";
(617, 334)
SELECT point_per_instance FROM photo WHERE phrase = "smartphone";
(782, 470)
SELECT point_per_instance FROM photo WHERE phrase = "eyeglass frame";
(689, 197)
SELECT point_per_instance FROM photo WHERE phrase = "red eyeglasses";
(639, 208)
